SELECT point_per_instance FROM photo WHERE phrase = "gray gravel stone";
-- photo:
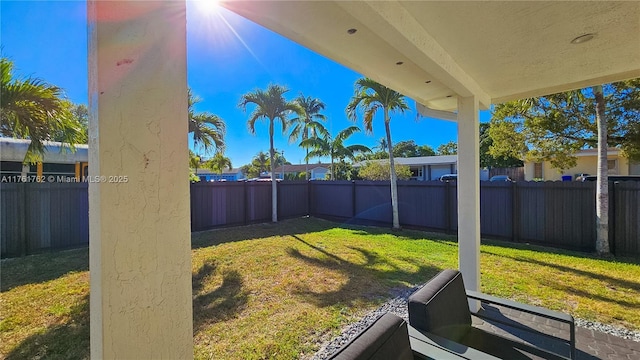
(398, 305)
(609, 329)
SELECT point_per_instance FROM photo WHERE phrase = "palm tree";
(207, 129)
(308, 125)
(32, 109)
(218, 163)
(194, 160)
(271, 105)
(371, 96)
(194, 163)
(602, 185)
(261, 162)
(382, 144)
(334, 147)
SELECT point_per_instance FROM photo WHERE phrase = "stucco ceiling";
(497, 51)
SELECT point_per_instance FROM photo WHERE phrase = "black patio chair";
(439, 313)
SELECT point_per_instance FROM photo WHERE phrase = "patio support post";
(469, 193)
(140, 254)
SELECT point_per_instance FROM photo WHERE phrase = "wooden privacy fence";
(41, 216)
(560, 214)
(36, 217)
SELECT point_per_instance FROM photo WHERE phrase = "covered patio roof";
(495, 50)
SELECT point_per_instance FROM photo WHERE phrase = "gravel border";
(398, 306)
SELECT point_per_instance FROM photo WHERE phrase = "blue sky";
(227, 57)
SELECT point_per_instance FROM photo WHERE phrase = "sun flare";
(208, 7)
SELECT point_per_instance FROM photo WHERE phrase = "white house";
(425, 168)
(316, 171)
(234, 174)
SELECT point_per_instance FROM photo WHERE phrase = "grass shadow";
(560, 251)
(366, 281)
(41, 268)
(69, 340)
(220, 304)
(589, 274)
(258, 231)
(592, 295)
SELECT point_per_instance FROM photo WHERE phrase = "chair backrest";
(386, 339)
(441, 306)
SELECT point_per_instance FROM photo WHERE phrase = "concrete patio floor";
(590, 344)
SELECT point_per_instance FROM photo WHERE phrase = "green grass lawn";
(275, 291)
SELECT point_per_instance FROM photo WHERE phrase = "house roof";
(419, 160)
(298, 168)
(205, 171)
(55, 152)
(435, 51)
(612, 151)
(594, 152)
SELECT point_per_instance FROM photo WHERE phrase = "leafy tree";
(425, 150)
(32, 109)
(410, 149)
(378, 155)
(218, 163)
(405, 149)
(206, 128)
(335, 147)
(489, 161)
(261, 162)
(450, 148)
(370, 96)
(345, 171)
(379, 170)
(79, 115)
(279, 159)
(554, 127)
(308, 125)
(270, 105)
(250, 171)
(194, 164)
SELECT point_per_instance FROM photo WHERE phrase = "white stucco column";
(140, 254)
(469, 191)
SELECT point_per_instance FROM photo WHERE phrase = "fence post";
(278, 202)
(308, 197)
(245, 207)
(353, 198)
(515, 213)
(447, 208)
(22, 221)
(612, 216)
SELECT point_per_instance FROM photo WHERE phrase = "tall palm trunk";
(333, 177)
(274, 189)
(393, 176)
(307, 165)
(602, 185)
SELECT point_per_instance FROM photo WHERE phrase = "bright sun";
(208, 7)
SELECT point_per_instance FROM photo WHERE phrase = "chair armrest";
(426, 345)
(535, 310)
